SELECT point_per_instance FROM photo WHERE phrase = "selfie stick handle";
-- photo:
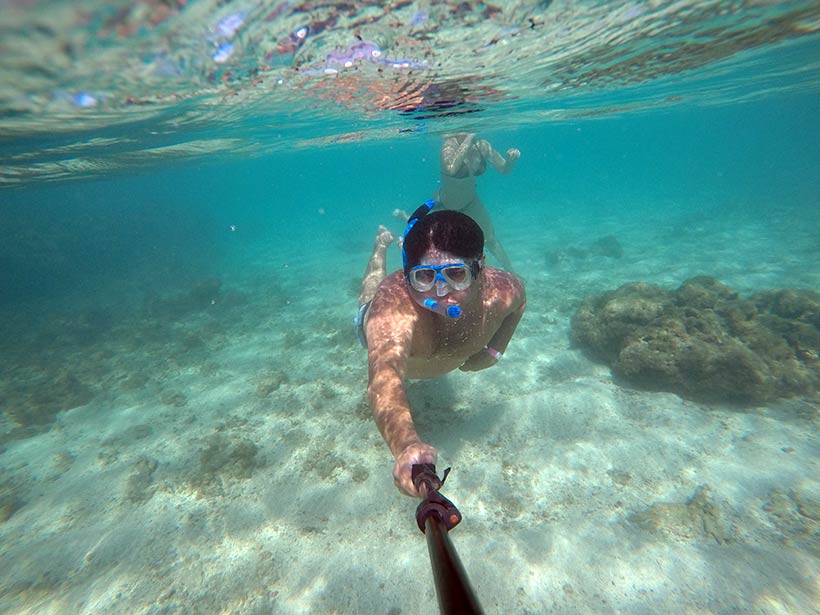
(436, 515)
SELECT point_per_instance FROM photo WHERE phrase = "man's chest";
(456, 341)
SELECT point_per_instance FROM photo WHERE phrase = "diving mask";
(457, 276)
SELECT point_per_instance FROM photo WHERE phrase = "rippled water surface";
(88, 87)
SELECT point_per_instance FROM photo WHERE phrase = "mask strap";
(417, 215)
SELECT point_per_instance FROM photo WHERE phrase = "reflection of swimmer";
(463, 158)
(445, 310)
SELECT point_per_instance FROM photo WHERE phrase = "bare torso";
(458, 185)
(405, 340)
(457, 193)
(438, 345)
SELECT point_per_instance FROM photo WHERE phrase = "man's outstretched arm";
(388, 348)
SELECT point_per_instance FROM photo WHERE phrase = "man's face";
(442, 277)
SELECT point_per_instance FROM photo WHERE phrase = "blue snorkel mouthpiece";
(452, 311)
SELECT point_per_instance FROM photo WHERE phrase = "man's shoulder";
(499, 277)
(503, 286)
(392, 288)
(392, 297)
(391, 311)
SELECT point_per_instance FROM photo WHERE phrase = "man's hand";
(512, 155)
(402, 471)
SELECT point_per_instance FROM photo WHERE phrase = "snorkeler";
(463, 158)
(445, 310)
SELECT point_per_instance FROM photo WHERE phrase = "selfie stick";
(436, 515)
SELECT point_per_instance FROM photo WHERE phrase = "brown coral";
(704, 342)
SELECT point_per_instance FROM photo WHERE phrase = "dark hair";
(446, 230)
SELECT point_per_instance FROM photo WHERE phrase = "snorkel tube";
(452, 310)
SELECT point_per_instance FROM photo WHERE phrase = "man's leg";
(377, 266)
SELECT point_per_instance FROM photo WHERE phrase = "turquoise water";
(754, 162)
(184, 426)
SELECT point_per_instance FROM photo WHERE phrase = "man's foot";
(384, 237)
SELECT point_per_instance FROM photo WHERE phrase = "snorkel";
(452, 310)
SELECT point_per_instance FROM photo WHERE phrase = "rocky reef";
(705, 342)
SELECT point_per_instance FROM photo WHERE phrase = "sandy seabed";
(224, 459)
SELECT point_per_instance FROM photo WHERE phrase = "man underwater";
(445, 310)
